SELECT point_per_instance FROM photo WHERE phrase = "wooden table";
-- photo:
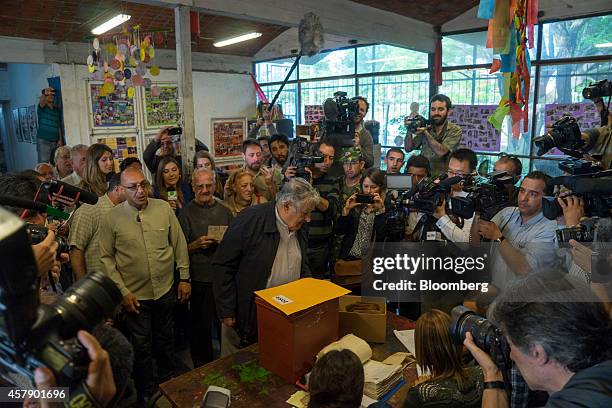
(187, 390)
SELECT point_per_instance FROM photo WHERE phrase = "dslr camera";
(565, 135)
(302, 155)
(486, 335)
(594, 189)
(599, 89)
(34, 335)
(38, 233)
(338, 126)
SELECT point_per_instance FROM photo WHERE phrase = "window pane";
(577, 38)
(390, 98)
(274, 71)
(316, 92)
(340, 62)
(478, 87)
(466, 49)
(287, 99)
(381, 58)
(563, 84)
(550, 167)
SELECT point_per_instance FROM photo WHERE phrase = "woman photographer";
(240, 192)
(99, 164)
(169, 185)
(363, 216)
(449, 383)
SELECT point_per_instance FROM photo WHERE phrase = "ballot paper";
(217, 231)
(300, 400)
(406, 337)
(350, 342)
(380, 378)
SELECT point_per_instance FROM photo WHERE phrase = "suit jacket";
(243, 262)
(348, 226)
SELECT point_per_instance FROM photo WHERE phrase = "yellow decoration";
(132, 61)
(130, 92)
(151, 52)
(142, 54)
(109, 87)
(91, 69)
(154, 70)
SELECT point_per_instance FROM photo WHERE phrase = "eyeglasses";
(144, 185)
(452, 172)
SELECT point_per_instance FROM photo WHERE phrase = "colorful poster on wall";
(122, 147)
(161, 106)
(227, 136)
(313, 114)
(23, 125)
(478, 133)
(17, 125)
(585, 114)
(32, 119)
(111, 110)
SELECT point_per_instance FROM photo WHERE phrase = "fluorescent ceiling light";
(386, 59)
(603, 45)
(110, 24)
(238, 39)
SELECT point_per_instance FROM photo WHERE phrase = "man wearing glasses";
(462, 162)
(525, 236)
(140, 242)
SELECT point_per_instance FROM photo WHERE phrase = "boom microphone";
(70, 191)
(33, 205)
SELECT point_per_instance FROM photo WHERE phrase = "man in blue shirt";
(525, 236)
(49, 132)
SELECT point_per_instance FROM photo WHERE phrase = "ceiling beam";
(338, 17)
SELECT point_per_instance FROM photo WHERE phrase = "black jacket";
(243, 262)
(152, 160)
(348, 226)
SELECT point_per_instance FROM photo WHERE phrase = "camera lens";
(87, 302)
(464, 321)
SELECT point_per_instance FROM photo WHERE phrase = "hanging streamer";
(260, 93)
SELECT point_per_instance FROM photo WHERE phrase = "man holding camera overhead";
(438, 141)
(49, 132)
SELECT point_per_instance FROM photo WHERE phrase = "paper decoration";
(111, 110)
(509, 25)
(227, 136)
(313, 114)
(23, 125)
(32, 121)
(478, 133)
(161, 109)
(16, 126)
(122, 147)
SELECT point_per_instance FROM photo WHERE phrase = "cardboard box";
(371, 327)
(294, 322)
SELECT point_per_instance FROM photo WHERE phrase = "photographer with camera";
(49, 131)
(437, 141)
(364, 138)
(461, 162)
(164, 142)
(264, 125)
(560, 339)
(418, 167)
(525, 236)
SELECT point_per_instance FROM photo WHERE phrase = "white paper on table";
(367, 401)
(406, 337)
(376, 372)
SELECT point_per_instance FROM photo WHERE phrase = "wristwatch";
(500, 239)
(498, 385)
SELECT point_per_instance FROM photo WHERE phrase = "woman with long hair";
(169, 185)
(98, 165)
(362, 222)
(240, 192)
(450, 383)
(205, 160)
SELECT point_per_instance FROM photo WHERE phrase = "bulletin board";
(227, 137)
(115, 110)
(122, 147)
(161, 106)
(478, 133)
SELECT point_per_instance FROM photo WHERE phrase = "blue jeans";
(45, 149)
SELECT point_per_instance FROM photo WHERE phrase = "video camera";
(302, 155)
(338, 126)
(416, 122)
(487, 196)
(34, 335)
(595, 189)
(487, 336)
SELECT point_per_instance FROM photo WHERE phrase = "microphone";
(72, 192)
(33, 205)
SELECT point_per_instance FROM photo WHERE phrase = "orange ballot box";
(294, 322)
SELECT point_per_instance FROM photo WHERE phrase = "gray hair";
(39, 165)
(78, 147)
(61, 150)
(198, 171)
(299, 193)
